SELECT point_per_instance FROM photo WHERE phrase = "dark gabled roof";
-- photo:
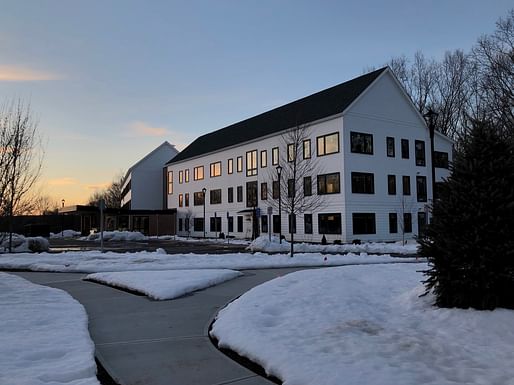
(317, 106)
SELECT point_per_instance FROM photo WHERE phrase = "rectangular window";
(390, 146)
(405, 148)
(307, 186)
(406, 184)
(186, 200)
(239, 224)
(329, 223)
(170, 182)
(180, 176)
(291, 153)
(363, 183)
(393, 223)
(292, 223)
(307, 149)
(239, 193)
(198, 173)
(215, 224)
(421, 188)
(364, 223)
(251, 194)
(264, 223)
(215, 196)
(251, 163)
(180, 200)
(198, 224)
(275, 188)
(230, 224)
(307, 223)
(328, 144)
(361, 143)
(230, 166)
(239, 164)
(180, 222)
(407, 223)
(186, 175)
(230, 193)
(215, 169)
(264, 158)
(391, 184)
(422, 223)
(328, 184)
(276, 224)
(291, 188)
(198, 198)
(441, 159)
(274, 156)
(264, 191)
(419, 152)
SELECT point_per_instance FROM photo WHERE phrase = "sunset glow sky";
(109, 81)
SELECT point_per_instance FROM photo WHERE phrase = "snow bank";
(232, 241)
(43, 336)
(23, 244)
(366, 325)
(263, 243)
(66, 234)
(117, 236)
(163, 285)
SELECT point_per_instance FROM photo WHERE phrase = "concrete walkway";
(141, 341)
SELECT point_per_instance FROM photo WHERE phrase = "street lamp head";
(204, 190)
(431, 116)
(279, 170)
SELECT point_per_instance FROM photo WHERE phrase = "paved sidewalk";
(141, 341)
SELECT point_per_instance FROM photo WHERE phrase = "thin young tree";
(299, 169)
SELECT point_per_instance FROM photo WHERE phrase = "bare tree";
(188, 222)
(405, 206)
(112, 195)
(299, 169)
(21, 159)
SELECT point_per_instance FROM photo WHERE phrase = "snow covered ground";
(66, 234)
(201, 240)
(366, 325)
(161, 285)
(95, 261)
(116, 236)
(22, 244)
(43, 336)
(263, 243)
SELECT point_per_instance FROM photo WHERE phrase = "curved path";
(141, 341)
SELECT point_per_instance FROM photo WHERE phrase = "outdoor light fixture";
(431, 117)
(204, 190)
(279, 173)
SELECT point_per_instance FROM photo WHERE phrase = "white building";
(373, 152)
(143, 184)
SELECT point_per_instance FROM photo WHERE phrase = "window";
(441, 159)
(274, 156)
(186, 200)
(230, 224)
(251, 194)
(180, 200)
(276, 224)
(307, 186)
(329, 223)
(186, 175)
(390, 147)
(419, 152)
(363, 183)
(307, 149)
(264, 223)
(406, 184)
(264, 158)
(422, 223)
(275, 188)
(230, 166)
(264, 191)
(180, 224)
(393, 223)
(198, 224)
(291, 153)
(239, 193)
(405, 148)
(251, 163)
(421, 188)
(361, 143)
(198, 173)
(230, 193)
(363, 223)
(328, 144)
(291, 188)
(407, 223)
(215, 196)
(215, 224)
(328, 184)
(215, 169)
(391, 184)
(180, 176)
(307, 223)
(292, 223)
(239, 164)
(170, 182)
(239, 224)
(198, 198)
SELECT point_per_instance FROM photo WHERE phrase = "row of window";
(364, 183)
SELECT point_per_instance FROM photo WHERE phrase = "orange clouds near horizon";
(24, 74)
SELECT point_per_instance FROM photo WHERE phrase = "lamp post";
(431, 116)
(279, 173)
(204, 190)
(63, 201)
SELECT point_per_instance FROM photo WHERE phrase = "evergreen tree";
(470, 244)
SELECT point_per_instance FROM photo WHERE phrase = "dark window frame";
(391, 184)
(322, 183)
(420, 153)
(326, 225)
(365, 147)
(363, 182)
(323, 139)
(390, 150)
(359, 225)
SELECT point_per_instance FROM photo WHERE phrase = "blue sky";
(111, 80)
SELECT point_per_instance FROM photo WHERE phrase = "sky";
(109, 81)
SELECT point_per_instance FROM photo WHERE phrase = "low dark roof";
(317, 106)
